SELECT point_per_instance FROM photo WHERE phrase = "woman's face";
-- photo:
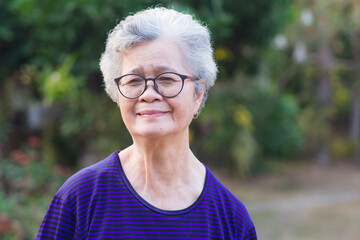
(152, 115)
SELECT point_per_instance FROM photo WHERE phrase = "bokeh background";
(281, 126)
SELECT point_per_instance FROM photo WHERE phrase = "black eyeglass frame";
(183, 78)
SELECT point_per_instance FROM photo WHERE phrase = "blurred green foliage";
(246, 125)
(56, 47)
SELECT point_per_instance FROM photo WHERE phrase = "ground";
(303, 201)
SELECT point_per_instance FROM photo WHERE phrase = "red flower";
(34, 141)
(19, 157)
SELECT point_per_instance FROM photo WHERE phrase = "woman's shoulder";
(87, 177)
(223, 195)
(225, 202)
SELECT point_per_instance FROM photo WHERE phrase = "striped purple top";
(98, 202)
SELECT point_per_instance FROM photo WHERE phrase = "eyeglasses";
(167, 84)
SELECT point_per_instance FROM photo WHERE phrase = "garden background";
(286, 103)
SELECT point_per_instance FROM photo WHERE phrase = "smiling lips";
(152, 113)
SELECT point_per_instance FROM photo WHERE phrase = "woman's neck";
(165, 173)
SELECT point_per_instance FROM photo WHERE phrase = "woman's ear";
(199, 96)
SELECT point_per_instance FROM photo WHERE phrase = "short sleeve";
(251, 234)
(59, 221)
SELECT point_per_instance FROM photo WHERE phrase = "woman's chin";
(152, 133)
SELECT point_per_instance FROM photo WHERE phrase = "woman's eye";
(165, 80)
(133, 82)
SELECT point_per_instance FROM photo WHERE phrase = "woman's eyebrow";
(156, 70)
(160, 69)
(137, 70)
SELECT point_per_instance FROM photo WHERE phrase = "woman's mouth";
(151, 113)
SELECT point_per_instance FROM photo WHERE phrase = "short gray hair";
(192, 36)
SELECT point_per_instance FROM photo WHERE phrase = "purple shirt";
(99, 202)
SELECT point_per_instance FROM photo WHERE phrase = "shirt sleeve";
(59, 221)
(251, 234)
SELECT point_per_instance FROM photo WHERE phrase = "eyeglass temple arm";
(192, 78)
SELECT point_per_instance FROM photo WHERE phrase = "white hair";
(153, 23)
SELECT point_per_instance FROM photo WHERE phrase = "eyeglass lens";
(167, 84)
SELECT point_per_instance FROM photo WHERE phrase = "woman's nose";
(150, 94)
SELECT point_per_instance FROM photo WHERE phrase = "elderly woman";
(158, 67)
